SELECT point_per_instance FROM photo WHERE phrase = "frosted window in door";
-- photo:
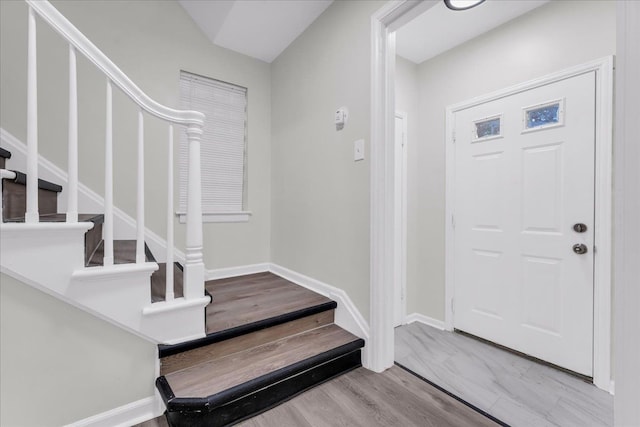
(487, 128)
(543, 115)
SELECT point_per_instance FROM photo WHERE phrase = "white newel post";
(32, 214)
(194, 265)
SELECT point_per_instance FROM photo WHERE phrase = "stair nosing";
(21, 178)
(233, 393)
(96, 218)
(214, 337)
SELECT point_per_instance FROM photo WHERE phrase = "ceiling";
(440, 29)
(262, 29)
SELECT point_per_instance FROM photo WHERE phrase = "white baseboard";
(347, 315)
(223, 273)
(88, 200)
(127, 415)
(429, 321)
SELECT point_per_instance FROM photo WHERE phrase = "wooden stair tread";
(185, 359)
(248, 299)
(215, 376)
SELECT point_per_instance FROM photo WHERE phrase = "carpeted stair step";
(228, 389)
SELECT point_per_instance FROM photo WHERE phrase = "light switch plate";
(358, 150)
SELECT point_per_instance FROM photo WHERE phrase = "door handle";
(580, 249)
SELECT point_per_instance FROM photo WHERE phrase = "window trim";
(217, 217)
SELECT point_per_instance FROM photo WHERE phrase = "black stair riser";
(169, 350)
(266, 398)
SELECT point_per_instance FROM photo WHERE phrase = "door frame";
(391, 16)
(603, 231)
(400, 237)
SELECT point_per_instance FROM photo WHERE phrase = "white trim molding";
(223, 273)
(347, 314)
(218, 216)
(603, 68)
(400, 218)
(425, 320)
(126, 415)
(382, 231)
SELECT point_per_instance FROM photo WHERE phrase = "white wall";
(151, 41)
(555, 36)
(320, 204)
(59, 364)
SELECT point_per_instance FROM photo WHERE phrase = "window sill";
(218, 217)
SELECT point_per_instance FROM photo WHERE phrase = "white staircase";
(50, 256)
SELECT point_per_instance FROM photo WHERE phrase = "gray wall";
(320, 203)
(151, 41)
(557, 35)
(59, 364)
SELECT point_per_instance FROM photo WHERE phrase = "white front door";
(524, 198)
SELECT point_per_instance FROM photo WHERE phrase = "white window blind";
(223, 143)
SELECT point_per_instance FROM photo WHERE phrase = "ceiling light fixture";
(462, 4)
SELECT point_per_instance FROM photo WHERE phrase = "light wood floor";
(515, 390)
(363, 398)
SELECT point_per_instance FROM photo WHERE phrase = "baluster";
(72, 184)
(193, 283)
(108, 180)
(140, 255)
(169, 294)
(32, 214)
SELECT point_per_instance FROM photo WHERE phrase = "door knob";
(579, 227)
(580, 249)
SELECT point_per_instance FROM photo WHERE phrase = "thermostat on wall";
(341, 116)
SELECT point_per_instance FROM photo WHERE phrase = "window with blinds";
(223, 146)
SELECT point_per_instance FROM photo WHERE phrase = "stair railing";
(193, 282)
